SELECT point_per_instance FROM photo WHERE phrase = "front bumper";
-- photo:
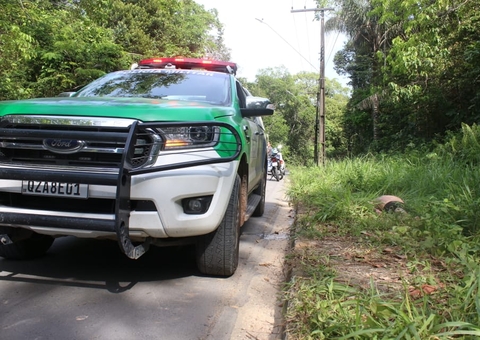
(165, 190)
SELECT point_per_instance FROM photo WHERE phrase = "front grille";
(101, 146)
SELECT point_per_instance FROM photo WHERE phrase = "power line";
(263, 22)
(296, 34)
(307, 34)
(333, 47)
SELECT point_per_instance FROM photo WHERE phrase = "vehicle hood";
(143, 109)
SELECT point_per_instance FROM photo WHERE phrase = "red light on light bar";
(190, 63)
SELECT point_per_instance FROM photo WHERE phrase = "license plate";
(274, 163)
(59, 189)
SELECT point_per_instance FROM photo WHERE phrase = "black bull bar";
(230, 148)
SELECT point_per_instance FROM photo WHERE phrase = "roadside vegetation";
(428, 256)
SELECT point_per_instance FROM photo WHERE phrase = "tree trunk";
(375, 116)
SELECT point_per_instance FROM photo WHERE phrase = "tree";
(297, 121)
(80, 53)
(16, 49)
(411, 65)
(41, 55)
(431, 69)
(367, 37)
(150, 28)
(293, 124)
(336, 100)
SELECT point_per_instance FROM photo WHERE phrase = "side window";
(241, 96)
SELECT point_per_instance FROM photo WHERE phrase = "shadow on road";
(99, 264)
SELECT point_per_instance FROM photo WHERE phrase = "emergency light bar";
(189, 64)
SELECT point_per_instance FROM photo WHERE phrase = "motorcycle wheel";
(275, 174)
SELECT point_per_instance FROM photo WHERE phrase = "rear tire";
(29, 246)
(261, 190)
(217, 253)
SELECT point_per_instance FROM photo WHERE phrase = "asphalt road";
(87, 289)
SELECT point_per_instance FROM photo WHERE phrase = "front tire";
(217, 253)
(29, 245)
(275, 174)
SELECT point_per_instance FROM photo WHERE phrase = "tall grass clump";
(325, 309)
(441, 194)
(441, 197)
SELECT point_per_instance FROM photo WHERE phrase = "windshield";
(209, 87)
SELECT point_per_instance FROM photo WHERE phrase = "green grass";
(439, 235)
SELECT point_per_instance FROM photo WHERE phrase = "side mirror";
(66, 94)
(257, 102)
(258, 106)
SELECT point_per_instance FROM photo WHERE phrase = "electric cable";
(296, 34)
(307, 34)
(263, 22)
(333, 46)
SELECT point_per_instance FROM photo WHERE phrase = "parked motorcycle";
(274, 165)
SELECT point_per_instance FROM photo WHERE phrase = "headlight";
(164, 146)
(190, 137)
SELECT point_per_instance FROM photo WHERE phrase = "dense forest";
(413, 65)
(414, 70)
(49, 46)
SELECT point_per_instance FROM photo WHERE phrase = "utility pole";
(320, 111)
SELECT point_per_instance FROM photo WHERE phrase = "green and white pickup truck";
(170, 152)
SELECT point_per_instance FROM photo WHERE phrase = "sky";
(278, 38)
